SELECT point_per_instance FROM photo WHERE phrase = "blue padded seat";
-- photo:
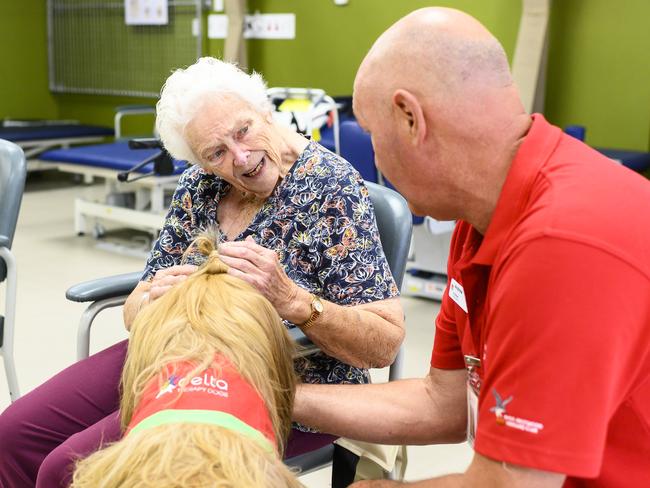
(327, 133)
(356, 147)
(116, 156)
(635, 160)
(64, 131)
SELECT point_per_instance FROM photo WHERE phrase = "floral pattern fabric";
(320, 222)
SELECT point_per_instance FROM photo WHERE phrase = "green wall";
(599, 55)
(332, 40)
(599, 70)
(23, 61)
(598, 73)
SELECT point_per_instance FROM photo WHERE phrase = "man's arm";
(414, 411)
(483, 472)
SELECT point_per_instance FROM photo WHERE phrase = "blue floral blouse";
(321, 223)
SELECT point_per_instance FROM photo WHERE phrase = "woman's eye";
(218, 153)
(243, 130)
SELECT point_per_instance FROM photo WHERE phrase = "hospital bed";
(135, 202)
(38, 136)
(139, 203)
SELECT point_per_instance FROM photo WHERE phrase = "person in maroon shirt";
(544, 330)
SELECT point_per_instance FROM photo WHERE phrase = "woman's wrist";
(298, 306)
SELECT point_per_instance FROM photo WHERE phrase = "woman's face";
(235, 142)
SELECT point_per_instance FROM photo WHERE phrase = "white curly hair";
(182, 93)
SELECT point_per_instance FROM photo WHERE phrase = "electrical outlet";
(270, 26)
(257, 26)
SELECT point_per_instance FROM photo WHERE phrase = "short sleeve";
(447, 352)
(560, 343)
(354, 268)
(177, 231)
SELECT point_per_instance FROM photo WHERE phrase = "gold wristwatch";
(316, 310)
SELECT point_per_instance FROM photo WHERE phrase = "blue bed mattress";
(64, 131)
(116, 156)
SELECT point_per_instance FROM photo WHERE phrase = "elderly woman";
(296, 223)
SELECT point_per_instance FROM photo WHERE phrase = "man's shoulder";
(582, 196)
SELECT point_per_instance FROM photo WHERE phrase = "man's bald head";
(436, 94)
(434, 51)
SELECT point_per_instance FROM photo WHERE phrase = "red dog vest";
(217, 396)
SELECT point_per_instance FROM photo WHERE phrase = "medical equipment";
(138, 203)
(426, 274)
(306, 110)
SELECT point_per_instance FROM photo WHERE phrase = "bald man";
(544, 330)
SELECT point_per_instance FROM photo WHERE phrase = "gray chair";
(395, 226)
(12, 184)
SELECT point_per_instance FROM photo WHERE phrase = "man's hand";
(261, 268)
(164, 279)
(375, 484)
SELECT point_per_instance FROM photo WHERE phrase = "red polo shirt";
(555, 300)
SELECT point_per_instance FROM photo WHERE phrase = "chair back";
(356, 147)
(395, 227)
(12, 184)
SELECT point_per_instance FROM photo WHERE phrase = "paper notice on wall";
(146, 12)
(217, 26)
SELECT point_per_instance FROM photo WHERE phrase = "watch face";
(318, 305)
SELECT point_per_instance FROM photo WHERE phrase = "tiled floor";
(51, 258)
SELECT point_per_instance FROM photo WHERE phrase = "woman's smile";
(257, 169)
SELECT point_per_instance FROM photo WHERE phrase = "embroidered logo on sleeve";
(503, 418)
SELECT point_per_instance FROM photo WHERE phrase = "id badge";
(473, 390)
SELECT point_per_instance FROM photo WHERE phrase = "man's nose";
(240, 155)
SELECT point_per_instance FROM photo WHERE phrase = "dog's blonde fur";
(210, 313)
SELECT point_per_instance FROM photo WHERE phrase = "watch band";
(316, 309)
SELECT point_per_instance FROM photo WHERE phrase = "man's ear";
(410, 115)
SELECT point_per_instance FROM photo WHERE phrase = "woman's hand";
(261, 268)
(148, 291)
(165, 278)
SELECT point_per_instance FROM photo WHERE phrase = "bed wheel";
(99, 231)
